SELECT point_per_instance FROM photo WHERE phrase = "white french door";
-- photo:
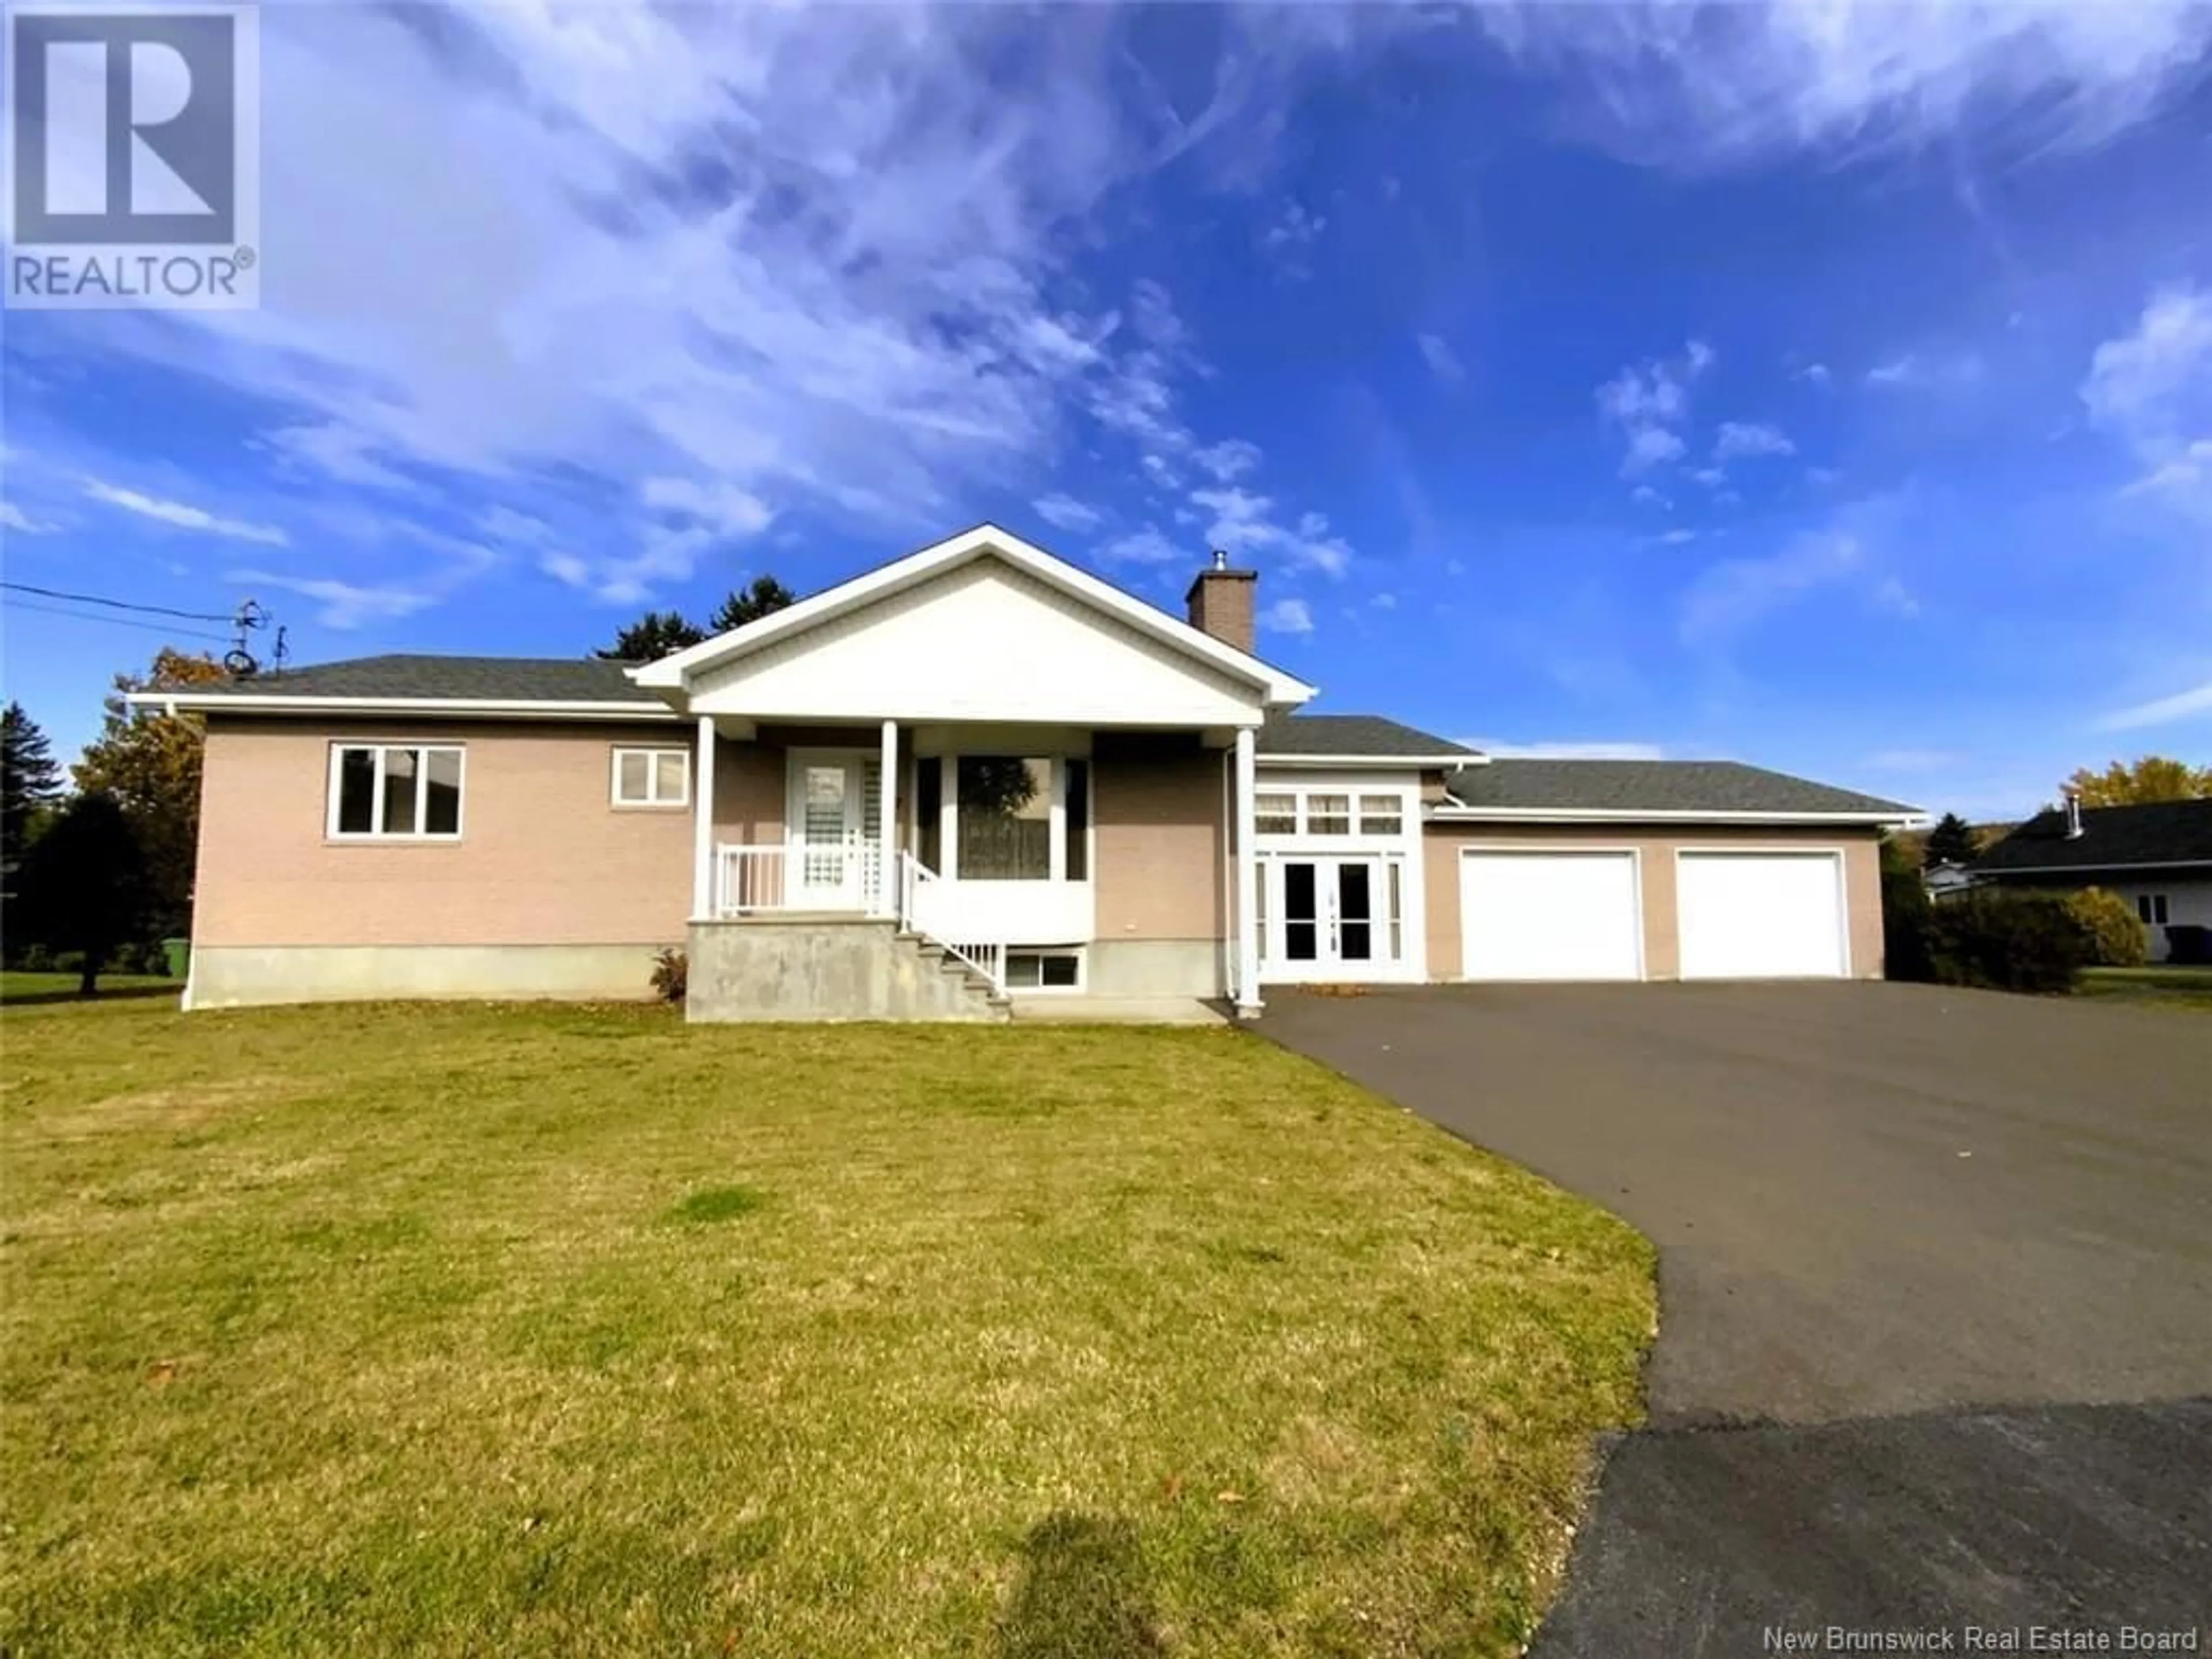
(1328, 918)
(836, 807)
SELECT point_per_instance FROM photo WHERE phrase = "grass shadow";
(1081, 1594)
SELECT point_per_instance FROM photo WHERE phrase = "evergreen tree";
(655, 634)
(765, 597)
(29, 780)
(1951, 842)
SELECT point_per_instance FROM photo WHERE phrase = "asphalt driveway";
(1935, 1285)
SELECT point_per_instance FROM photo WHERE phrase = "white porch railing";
(786, 877)
(749, 880)
(921, 910)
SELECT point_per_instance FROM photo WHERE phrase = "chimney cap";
(1220, 558)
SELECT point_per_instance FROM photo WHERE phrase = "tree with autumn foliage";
(149, 762)
(2142, 782)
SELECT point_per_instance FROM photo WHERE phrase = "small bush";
(1905, 917)
(671, 974)
(2005, 941)
(2111, 933)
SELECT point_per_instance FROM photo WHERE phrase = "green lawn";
(18, 987)
(562, 1332)
(2161, 987)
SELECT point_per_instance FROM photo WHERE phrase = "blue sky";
(1825, 386)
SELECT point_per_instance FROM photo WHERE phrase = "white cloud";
(1697, 88)
(1245, 522)
(1444, 362)
(1161, 471)
(504, 523)
(1226, 461)
(184, 516)
(1295, 228)
(1728, 600)
(1739, 439)
(1066, 513)
(1384, 601)
(1678, 538)
(2151, 388)
(345, 605)
(1145, 546)
(1711, 477)
(1574, 750)
(1813, 374)
(2183, 705)
(722, 507)
(816, 257)
(1287, 616)
(1649, 401)
(14, 517)
(1910, 369)
(1645, 495)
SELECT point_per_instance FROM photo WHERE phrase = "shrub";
(671, 974)
(1905, 912)
(2005, 941)
(2111, 933)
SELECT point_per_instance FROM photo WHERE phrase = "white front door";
(1761, 915)
(1330, 919)
(1549, 916)
(836, 799)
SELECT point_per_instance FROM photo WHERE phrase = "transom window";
(1328, 812)
(2151, 906)
(395, 791)
(651, 777)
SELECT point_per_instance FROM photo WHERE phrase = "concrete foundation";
(1147, 968)
(827, 969)
(240, 976)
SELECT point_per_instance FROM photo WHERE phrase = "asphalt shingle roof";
(520, 679)
(1621, 785)
(1350, 735)
(2165, 832)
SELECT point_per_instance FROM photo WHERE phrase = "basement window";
(1044, 970)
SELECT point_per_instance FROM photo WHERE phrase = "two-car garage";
(1656, 909)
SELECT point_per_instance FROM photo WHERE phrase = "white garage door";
(1761, 915)
(1549, 916)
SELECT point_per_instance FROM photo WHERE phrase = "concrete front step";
(829, 968)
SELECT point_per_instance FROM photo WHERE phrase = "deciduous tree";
(149, 763)
(2139, 783)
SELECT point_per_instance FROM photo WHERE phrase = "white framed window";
(1328, 814)
(1382, 815)
(651, 777)
(396, 791)
(1044, 970)
(1274, 812)
(2151, 908)
(1004, 818)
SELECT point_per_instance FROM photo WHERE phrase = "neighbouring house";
(2158, 857)
(1945, 879)
(972, 777)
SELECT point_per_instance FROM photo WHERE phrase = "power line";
(121, 622)
(117, 604)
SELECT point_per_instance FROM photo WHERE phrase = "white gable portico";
(936, 728)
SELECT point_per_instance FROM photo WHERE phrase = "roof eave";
(1463, 813)
(520, 708)
(2204, 863)
(1396, 762)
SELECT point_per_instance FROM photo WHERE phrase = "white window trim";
(380, 747)
(948, 816)
(1301, 834)
(654, 802)
(1082, 967)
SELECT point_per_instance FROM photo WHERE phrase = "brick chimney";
(1221, 602)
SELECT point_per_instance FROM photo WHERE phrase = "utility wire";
(117, 604)
(122, 621)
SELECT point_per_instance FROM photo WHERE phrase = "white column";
(1248, 897)
(702, 824)
(887, 810)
